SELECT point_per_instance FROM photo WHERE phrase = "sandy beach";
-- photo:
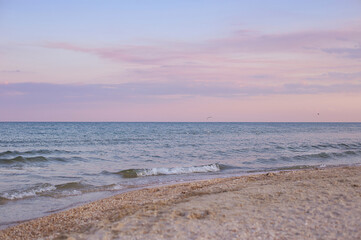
(305, 204)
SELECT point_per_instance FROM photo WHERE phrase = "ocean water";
(48, 167)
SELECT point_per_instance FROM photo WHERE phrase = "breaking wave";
(55, 191)
(30, 192)
(133, 173)
(46, 189)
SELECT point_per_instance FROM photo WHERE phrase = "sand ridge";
(312, 204)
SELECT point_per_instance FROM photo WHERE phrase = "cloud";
(40, 93)
(44, 93)
(336, 77)
(131, 54)
(244, 57)
(317, 88)
(224, 49)
(11, 71)
(285, 42)
(345, 52)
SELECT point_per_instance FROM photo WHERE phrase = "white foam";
(116, 187)
(178, 170)
(71, 193)
(27, 193)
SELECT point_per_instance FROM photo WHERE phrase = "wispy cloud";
(132, 54)
(41, 93)
(335, 77)
(11, 71)
(345, 52)
(224, 49)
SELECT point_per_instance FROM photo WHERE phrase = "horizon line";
(177, 122)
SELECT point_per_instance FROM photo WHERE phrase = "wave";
(133, 173)
(72, 185)
(326, 155)
(301, 167)
(313, 156)
(55, 191)
(32, 152)
(30, 192)
(324, 146)
(46, 189)
(8, 153)
(13, 157)
(21, 159)
(24, 160)
(342, 146)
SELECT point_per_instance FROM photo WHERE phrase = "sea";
(47, 167)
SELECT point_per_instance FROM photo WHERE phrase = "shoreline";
(311, 203)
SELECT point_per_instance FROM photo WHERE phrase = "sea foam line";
(131, 173)
(27, 193)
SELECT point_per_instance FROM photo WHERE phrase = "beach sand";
(305, 204)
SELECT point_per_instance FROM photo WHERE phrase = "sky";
(233, 61)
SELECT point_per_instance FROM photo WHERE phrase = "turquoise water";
(47, 167)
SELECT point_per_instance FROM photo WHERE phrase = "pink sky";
(255, 70)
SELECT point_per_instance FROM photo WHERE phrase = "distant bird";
(208, 118)
(318, 114)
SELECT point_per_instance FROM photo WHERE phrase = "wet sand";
(305, 204)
